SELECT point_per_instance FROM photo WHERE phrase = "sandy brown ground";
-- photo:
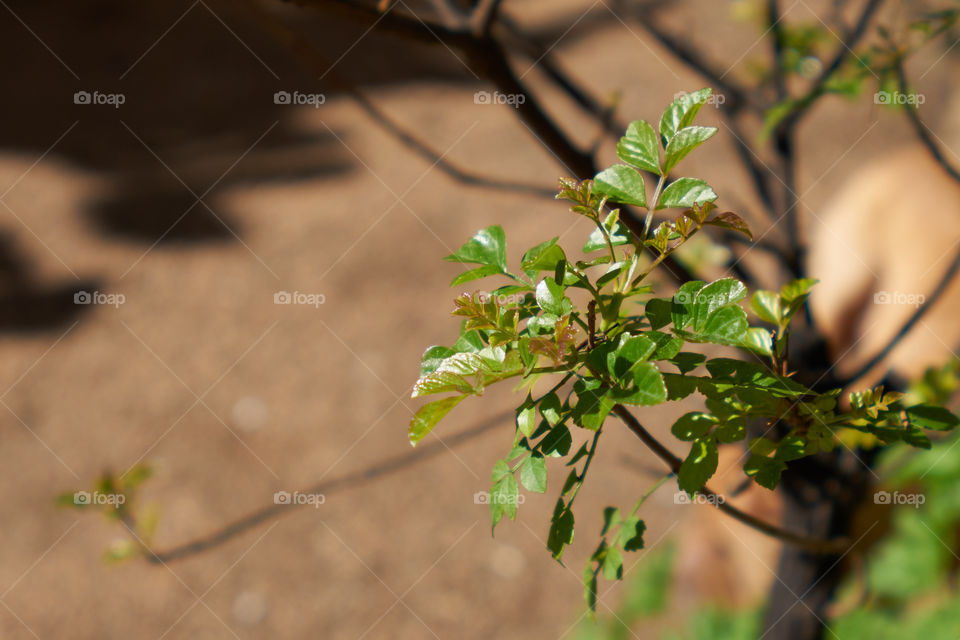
(232, 398)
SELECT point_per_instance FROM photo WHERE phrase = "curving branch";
(922, 131)
(349, 481)
(911, 322)
(812, 545)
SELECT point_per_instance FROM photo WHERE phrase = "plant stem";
(653, 205)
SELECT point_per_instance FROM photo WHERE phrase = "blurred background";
(182, 166)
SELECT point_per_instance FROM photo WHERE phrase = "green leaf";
(136, 476)
(557, 442)
(590, 588)
(631, 534)
(429, 415)
(667, 346)
(621, 183)
(639, 147)
(432, 358)
(527, 417)
(469, 342)
(686, 192)
(733, 430)
(727, 325)
(714, 296)
(658, 312)
(766, 304)
(543, 257)
(500, 471)
(469, 373)
(593, 403)
(797, 288)
(693, 425)
(630, 351)
(561, 530)
(533, 474)
(792, 447)
(612, 564)
(649, 387)
(681, 112)
(762, 446)
(683, 301)
(932, 417)
(550, 297)
(488, 246)
(681, 144)
(611, 518)
(613, 271)
(759, 341)
(679, 386)
(619, 234)
(504, 496)
(765, 471)
(687, 361)
(699, 465)
(915, 437)
(551, 408)
(475, 274)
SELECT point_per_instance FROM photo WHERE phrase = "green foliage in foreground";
(909, 590)
(592, 324)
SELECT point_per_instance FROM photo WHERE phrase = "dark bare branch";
(348, 481)
(836, 545)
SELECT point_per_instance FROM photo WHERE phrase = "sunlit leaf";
(623, 184)
(427, 417)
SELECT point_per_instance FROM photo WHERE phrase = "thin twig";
(911, 322)
(348, 481)
(812, 545)
(736, 97)
(850, 39)
(920, 128)
(315, 62)
(539, 53)
(776, 29)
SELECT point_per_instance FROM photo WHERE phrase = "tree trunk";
(822, 495)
